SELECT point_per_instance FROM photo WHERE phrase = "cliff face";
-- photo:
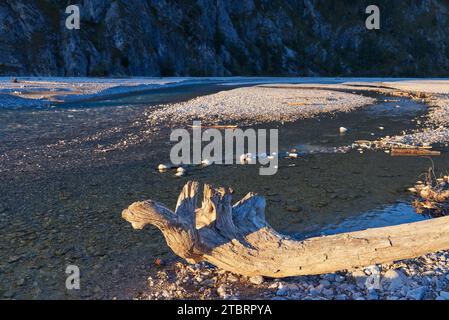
(224, 37)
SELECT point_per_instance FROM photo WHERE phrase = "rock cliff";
(224, 37)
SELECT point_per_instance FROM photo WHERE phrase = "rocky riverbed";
(423, 278)
(68, 172)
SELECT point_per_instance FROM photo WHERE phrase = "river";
(61, 201)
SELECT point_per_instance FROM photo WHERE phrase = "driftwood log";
(237, 237)
(414, 152)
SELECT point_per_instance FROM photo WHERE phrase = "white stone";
(393, 280)
(206, 162)
(181, 170)
(222, 291)
(257, 280)
(163, 167)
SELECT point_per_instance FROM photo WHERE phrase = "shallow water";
(61, 202)
(398, 213)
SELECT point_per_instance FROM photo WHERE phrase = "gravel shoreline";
(253, 105)
(423, 278)
(435, 126)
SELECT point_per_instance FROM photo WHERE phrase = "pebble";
(163, 167)
(329, 277)
(325, 283)
(282, 292)
(243, 159)
(294, 208)
(373, 295)
(339, 278)
(14, 259)
(206, 162)
(181, 170)
(232, 278)
(372, 270)
(292, 287)
(20, 282)
(257, 280)
(208, 283)
(180, 174)
(314, 292)
(417, 294)
(360, 278)
(393, 279)
(328, 292)
(222, 291)
(444, 295)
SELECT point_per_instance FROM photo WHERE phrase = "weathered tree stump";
(237, 237)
